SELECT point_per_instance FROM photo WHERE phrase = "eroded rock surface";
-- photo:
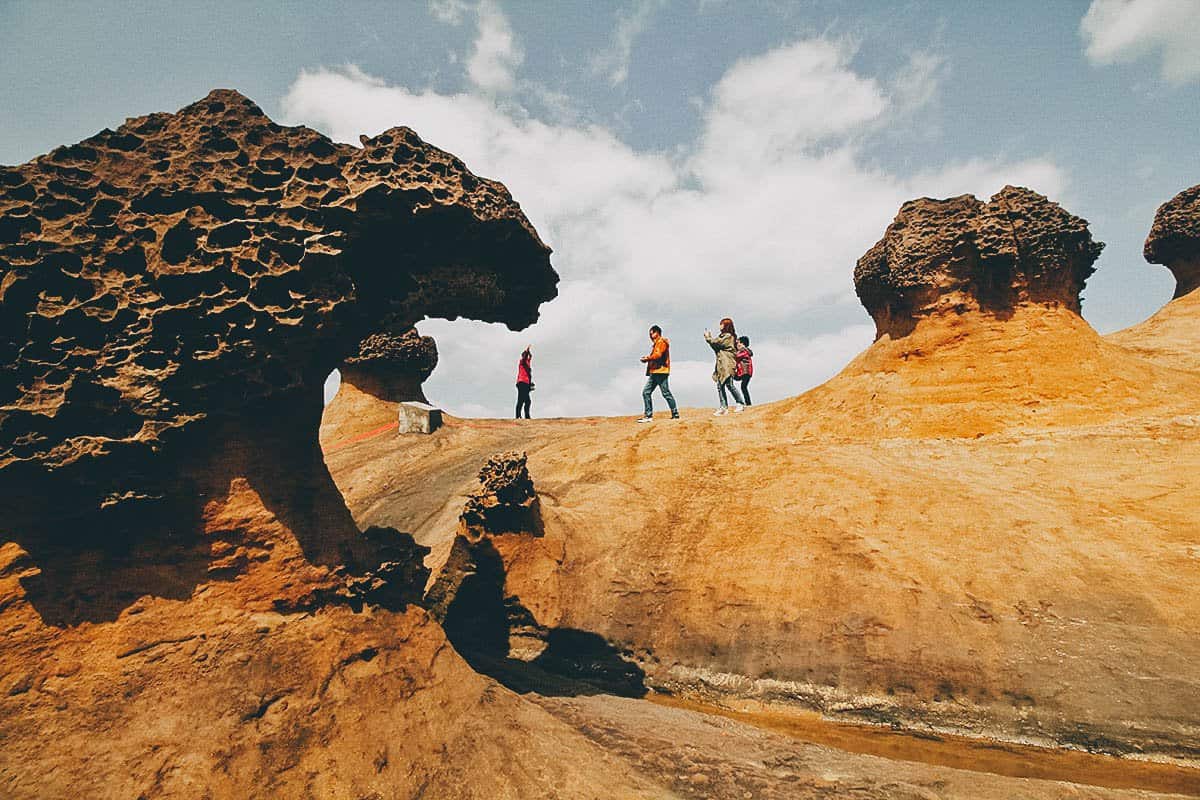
(1170, 336)
(186, 605)
(1174, 239)
(981, 526)
(392, 366)
(174, 294)
(961, 254)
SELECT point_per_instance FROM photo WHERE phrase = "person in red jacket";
(658, 370)
(524, 381)
(744, 366)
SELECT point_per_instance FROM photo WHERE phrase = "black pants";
(523, 399)
(745, 381)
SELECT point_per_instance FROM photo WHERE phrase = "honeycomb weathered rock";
(1174, 239)
(175, 292)
(963, 254)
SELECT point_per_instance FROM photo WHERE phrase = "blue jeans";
(729, 385)
(658, 380)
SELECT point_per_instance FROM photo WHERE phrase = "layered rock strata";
(946, 257)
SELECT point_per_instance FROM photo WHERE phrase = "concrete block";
(419, 418)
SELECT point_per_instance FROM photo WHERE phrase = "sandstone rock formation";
(187, 608)
(1174, 239)
(176, 291)
(392, 366)
(1169, 337)
(983, 525)
(387, 369)
(498, 533)
(942, 257)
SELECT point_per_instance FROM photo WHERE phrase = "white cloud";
(495, 53)
(774, 107)
(613, 63)
(916, 86)
(1120, 31)
(760, 218)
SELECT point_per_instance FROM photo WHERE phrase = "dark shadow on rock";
(92, 566)
(483, 624)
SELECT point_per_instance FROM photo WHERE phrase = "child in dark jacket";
(744, 369)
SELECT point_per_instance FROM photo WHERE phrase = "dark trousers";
(523, 399)
(659, 381)
(745, 381)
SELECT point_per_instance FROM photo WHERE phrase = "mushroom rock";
(175, 293)
(392, 366)
(957, 255)
(976, 308)
(1170, 336)
(387, 369)
(1174, 239)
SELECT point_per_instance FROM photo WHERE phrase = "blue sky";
(686, 160)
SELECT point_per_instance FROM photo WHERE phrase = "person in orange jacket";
(658, 370)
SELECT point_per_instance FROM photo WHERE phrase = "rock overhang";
(192, 271)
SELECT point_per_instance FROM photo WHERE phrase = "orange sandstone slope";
(984, 524)
(186, 606)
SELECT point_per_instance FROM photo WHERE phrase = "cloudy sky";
(686, 160)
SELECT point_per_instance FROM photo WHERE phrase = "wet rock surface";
(962, 254)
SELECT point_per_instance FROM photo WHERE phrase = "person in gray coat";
(724, 344)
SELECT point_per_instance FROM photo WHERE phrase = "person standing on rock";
(724, 344)
(744, 369)
(524, 381)
(658, 370)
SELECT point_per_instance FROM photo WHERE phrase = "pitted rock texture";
(961, 254)
(1174, 239)
(392, 366)
(499, 538)
(505, 485)
(191, 278)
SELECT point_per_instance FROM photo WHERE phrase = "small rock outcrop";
(1174, 239)
(961, 254)
(175, 293)
(505, 501)
(498, 521)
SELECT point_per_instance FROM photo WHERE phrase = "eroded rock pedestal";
(386, 370)
(962, 255)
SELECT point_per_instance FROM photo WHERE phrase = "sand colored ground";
(987, 526)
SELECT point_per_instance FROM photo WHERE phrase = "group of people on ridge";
(732, 373)
(734, 362)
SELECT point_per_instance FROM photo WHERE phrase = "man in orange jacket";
(658, 370)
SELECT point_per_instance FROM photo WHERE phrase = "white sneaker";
(720, 412)
(645, 419)
(738, 409)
